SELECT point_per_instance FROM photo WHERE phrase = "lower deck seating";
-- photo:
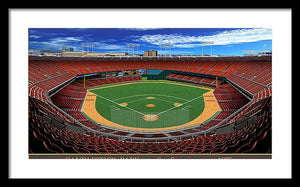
(194, 79)
(230, 100)
(46, 138)
(96, 81)
(71, 97)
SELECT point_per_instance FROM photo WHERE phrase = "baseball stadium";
(149, 105)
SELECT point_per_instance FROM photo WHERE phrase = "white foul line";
(186, 107)
(116, 108)
(181, 105)
(118, 104)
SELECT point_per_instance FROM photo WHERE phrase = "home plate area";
(150, 117)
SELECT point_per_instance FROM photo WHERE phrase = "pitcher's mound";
(123, 104)
(177, 104)
(150, 97)
(150, 117)
(150, 105)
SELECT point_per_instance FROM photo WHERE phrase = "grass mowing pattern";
(136, 94)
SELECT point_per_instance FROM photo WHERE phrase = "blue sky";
(185, 41)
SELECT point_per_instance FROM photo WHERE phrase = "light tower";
(82, 47)
(92, 45)
(137, 48)
(128, 46)
(170, 46)
(207, 43)
(132, 45)
(159, 49)
(161, 46)
(165, 46)
(251, 52)
(88, 45)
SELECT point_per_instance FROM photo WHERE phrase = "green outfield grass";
(144, 98)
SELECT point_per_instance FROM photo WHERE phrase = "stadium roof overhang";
(152, 58)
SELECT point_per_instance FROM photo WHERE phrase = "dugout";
(156, 74)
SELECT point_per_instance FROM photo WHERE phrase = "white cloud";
(177, 52)
(34, 36)
(221, 38)
(188, 45)
(58, 43)
(139, 29)
(61, 40)
(109, 40)
(45, 45)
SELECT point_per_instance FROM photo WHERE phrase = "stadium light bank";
(207, 43)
